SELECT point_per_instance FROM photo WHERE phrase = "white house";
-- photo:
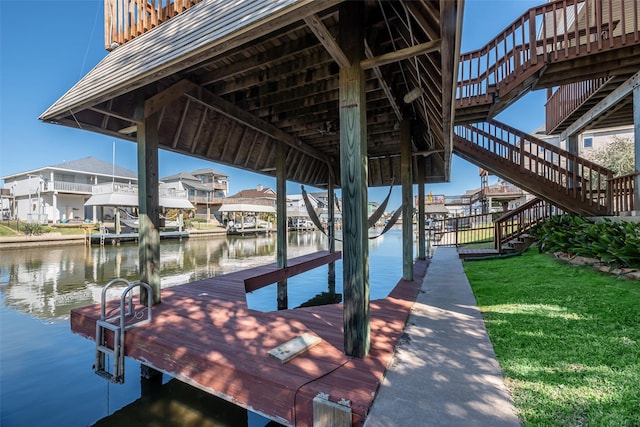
(206, 188)
(59, 192)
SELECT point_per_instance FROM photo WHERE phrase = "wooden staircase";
(557, 43)
(511, 230)
(549, 172)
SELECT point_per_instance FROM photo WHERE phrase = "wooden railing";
(519, 221)
(567, 98)
(576, 177)
(127, 19)
(545, 33)
(622, 192)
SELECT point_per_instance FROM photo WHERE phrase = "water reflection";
(49, 282)
(176, 404)
(46, 372)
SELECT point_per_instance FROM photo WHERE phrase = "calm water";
(46, 376)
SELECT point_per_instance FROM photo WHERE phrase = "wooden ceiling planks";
(277, 78)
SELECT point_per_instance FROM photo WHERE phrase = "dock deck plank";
(204, 334)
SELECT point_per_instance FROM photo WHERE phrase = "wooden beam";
(426, 153)
(601, 107)
(421, 213)
(399, 55)
(407, 199)
(321, 258)
(331, 231)
(421, 20)
(281, 222)
(245, 118)
(353, 165)
(383, 84)
(115, 114)
(167, 96)
(450, 22)
(326, 39)
(148, 206)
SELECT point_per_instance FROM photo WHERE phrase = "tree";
(618, 156)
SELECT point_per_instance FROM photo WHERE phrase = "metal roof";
(88, 165)
(131, 199)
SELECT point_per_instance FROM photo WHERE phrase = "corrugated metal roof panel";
(158, 53)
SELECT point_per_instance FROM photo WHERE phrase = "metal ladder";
(118, 329)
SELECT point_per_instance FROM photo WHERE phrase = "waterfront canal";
(46, 376)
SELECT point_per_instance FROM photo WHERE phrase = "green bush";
(32, 228)
(616, 243)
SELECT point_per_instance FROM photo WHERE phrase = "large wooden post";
(421, 214)
(636, 130)
(407, 199)
(281, 223)
(353, 167)
(331, 231)
(148, 209)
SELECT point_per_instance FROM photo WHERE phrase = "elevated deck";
(204, 334)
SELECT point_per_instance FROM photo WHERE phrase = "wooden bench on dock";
(204, 334)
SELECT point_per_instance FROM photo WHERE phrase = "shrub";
(32, 228)
(615, 243)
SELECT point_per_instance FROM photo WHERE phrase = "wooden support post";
(421, 213)
(148, 209)
(636, 130)
(406, 179)
(150, 380)
(353, 167)
(573, 148)
(281, 223)
(331, 231)
(116, 216)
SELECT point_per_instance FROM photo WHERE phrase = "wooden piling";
(353, 164)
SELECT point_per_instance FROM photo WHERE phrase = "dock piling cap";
(294, 347)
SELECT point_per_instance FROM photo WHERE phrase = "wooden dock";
(204, 334)
(113, 238)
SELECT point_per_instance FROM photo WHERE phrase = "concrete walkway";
(444, 372)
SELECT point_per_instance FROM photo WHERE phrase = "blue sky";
(47, 46)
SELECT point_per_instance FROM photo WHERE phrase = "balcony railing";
(123, 188)
(206, 199)
(126, 19)
(67, 187)
(114, 187)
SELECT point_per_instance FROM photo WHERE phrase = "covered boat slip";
(329, 94)
(204, 334)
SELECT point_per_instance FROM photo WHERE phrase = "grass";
(6, 231)
(567, 339)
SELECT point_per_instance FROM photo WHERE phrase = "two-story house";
(206, 188)
(58, 193)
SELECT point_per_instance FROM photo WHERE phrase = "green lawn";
(7, 231)
(567, 339)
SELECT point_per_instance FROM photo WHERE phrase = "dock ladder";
(117, 325)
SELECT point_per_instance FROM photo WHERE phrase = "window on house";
(587, 142)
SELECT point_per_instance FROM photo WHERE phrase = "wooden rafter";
(383, 84)
(399, 55)
(230, 110)
(326, 39)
